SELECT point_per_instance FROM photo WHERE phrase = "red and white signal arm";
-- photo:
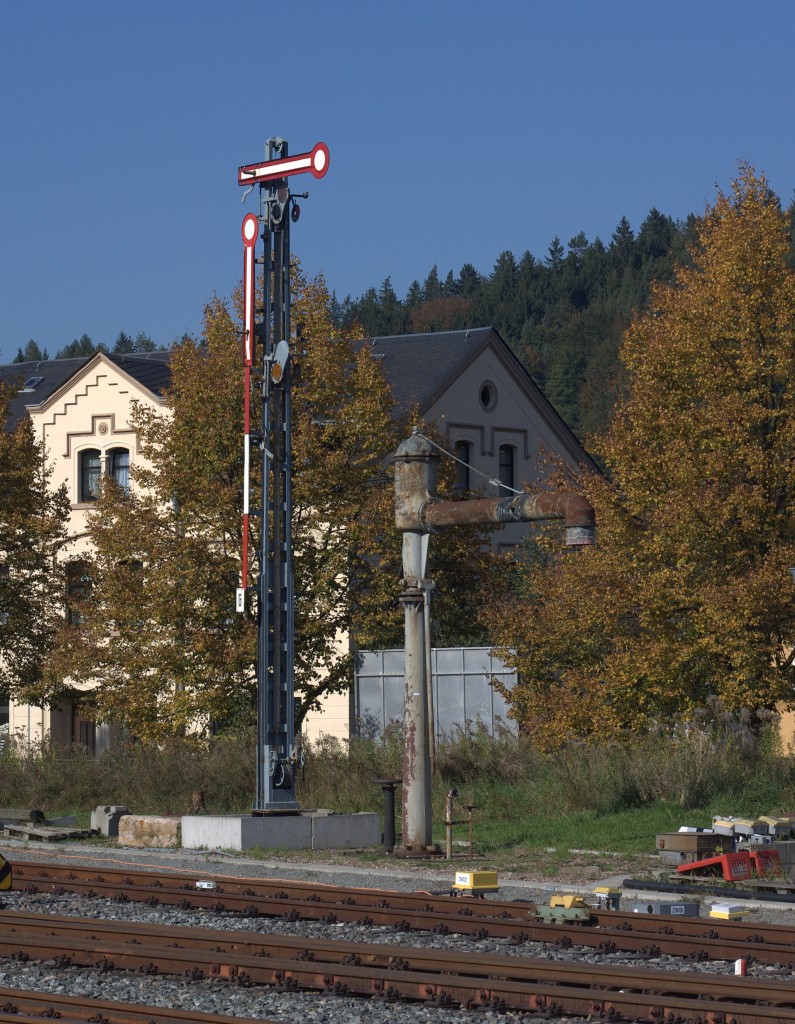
(315, 162)
(250, 231)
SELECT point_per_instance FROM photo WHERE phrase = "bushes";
(716, 761)
(147, 779)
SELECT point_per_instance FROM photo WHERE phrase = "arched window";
(119, 467)
(507, 469)
(463, 451)
(90, 474)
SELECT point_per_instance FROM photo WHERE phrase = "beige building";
(80, 410)
(495, 420)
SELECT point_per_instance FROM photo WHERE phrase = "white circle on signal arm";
(319, 159)
(250, 227)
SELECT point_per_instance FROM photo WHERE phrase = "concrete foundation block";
(135, 830)
(106, 819)
(345, 831)
(240, 832)
(321, 830)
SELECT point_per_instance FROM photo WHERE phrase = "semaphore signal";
(315, 162)
(266, 354)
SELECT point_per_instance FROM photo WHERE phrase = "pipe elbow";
(579, 518)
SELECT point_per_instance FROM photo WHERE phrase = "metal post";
(275, 729)
(429, 679)
(278, 756)
(388, 786)
(448, 823)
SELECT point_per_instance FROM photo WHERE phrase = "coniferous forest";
(563, 314)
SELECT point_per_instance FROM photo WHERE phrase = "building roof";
(46, 376)
(421, 367)
(418, 366)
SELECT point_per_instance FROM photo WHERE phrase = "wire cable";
(473, 469)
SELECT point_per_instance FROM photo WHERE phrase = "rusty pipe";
(577, 514)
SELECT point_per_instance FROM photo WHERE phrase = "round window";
(488, 395)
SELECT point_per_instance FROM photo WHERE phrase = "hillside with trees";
(83, 347)
(563, 315)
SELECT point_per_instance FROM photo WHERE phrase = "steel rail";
(46, 875)
(264, 944)
(545, 985)
(20, 1005)
(645, 944)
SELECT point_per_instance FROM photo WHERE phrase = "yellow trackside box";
(5, 873)
(608, 897)
(568, 901)
(475, 881)
(728, 911)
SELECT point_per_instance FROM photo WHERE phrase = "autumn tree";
(32, 526)
(688, 595)
(159, 643)
(158, 646)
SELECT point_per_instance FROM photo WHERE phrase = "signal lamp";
(279, 363)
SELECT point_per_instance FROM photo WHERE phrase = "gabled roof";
(150, 369)
(419, 366)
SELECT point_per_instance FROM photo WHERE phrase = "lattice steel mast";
(269, 327)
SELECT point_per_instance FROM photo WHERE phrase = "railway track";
(392, 972)
(605, 930)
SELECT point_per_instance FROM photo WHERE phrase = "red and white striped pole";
(250, 231)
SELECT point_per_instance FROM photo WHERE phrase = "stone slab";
(145, 830)
(345, 831)
(303, 831)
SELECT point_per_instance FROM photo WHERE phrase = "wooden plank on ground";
(46, 833)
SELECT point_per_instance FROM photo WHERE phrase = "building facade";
(80, 410)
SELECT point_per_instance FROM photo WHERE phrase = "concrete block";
(106, 818)
(238, 832)
(345, 831)
(135, 830)
(315, 830)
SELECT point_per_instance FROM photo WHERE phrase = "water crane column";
(418, 513)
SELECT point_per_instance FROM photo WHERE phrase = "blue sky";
(456, 130)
